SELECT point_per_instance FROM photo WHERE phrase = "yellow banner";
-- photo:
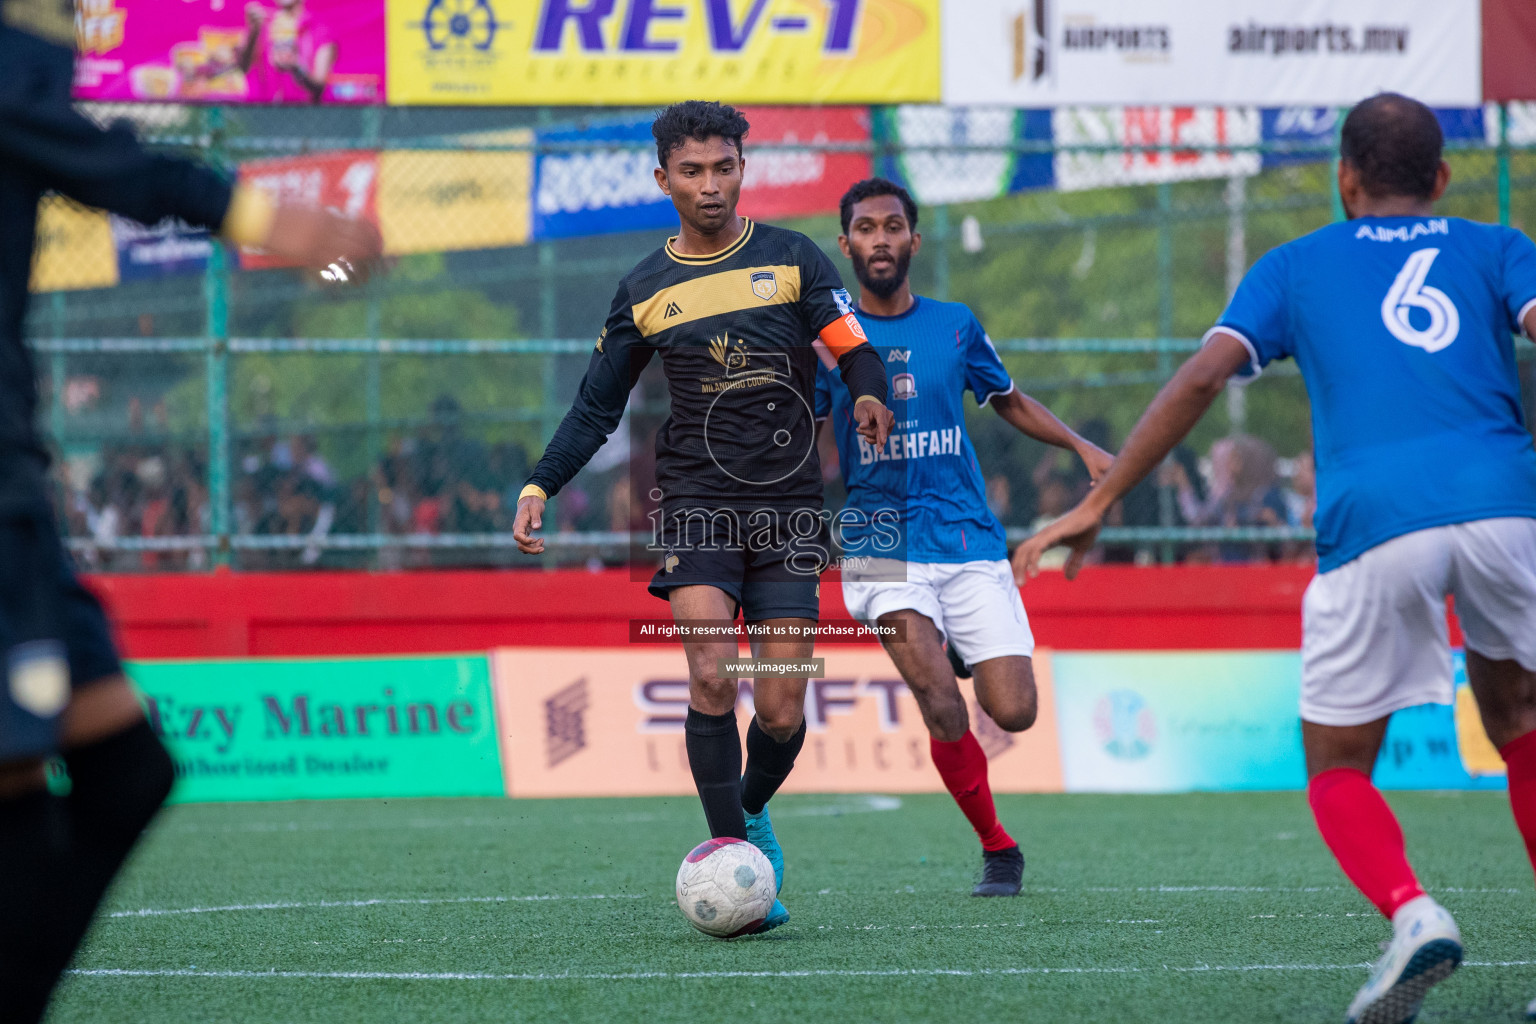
(74, 248)
(660, 51)
(440, 200)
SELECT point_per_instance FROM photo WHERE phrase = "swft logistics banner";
(581, 722)
(218, 51)
(650, 52)
(1046, 53)
(281, 730)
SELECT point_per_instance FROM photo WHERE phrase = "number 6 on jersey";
(1409, 292)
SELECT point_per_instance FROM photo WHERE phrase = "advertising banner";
(169, 247)
(943, 159)
(345, 181)
(211, 51)
(73, 249)
(1313, 130)
(444, 200)
(1174, 721)
(281, 730)
(583, 722)
(1440, 746)
(1046, 53)
(1167, 722)
(595, 191)
(643, 52)
(1141, 127)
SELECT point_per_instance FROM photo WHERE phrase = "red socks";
(963, 767)
(1520, 756)
(1364, 836)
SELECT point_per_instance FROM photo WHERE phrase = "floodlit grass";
(1177, 908)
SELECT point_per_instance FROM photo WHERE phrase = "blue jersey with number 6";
(1401, 327)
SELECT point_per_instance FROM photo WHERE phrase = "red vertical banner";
(786, 182)
(1509, 50)
(346, 182)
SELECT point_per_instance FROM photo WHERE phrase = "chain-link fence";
(208, 407)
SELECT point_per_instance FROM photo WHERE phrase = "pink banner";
(226, 51)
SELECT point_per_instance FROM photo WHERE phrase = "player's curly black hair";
(868, 189)
(1395, 144)
(697, 119)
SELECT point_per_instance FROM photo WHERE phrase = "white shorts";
(975, 605)
(1374, 634)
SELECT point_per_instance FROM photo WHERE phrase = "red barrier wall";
(225, 614)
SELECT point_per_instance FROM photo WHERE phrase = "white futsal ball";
(725, 887)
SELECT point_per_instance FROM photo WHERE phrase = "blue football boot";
(760, 834)
(777, 915)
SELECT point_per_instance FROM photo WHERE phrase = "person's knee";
(1005, 688)
(710, 691)
(1015, 714)
(780, 722)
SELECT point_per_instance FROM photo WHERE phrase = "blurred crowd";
(284, 491)
(441, 479)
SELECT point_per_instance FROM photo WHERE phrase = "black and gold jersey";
(734, 332)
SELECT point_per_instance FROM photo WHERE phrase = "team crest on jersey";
(765, 285)
(903, 386)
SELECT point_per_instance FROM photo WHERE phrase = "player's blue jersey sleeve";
(1519, 275)
(1259, 312)
(985, 375)
(823, 399)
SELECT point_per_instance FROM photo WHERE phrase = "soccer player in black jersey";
(61, 686)
(732, 307)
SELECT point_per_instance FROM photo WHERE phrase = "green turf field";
(1172, 908)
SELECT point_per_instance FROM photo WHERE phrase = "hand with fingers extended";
(1077, 530)
(875, 421)
(530, 517)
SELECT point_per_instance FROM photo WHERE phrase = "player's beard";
(882, 287)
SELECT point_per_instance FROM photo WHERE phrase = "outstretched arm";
(1032, 419)
(110, 169)
(1171, 416)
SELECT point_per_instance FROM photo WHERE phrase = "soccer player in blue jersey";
(922, 551)
(1400, 322)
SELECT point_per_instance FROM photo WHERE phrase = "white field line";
(349, 904)
(851, 805)
(328, 904)
(917, 972)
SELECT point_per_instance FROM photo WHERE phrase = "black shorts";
(45, 615)
(769, 561)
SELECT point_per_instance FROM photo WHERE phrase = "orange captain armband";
(844, 334)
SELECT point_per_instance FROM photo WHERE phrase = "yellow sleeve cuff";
(866, 398)
(532, 490)
(248, 221)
